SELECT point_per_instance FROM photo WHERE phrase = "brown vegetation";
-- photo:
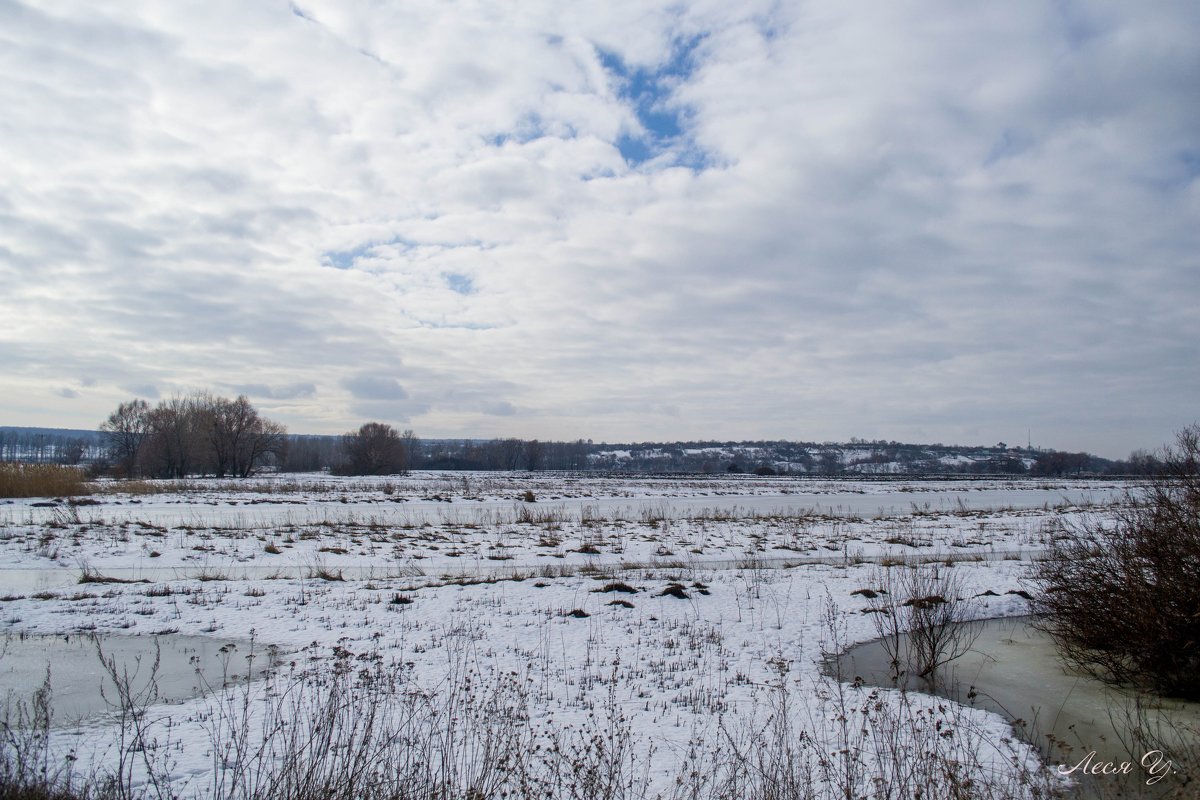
(1121, 598)
(361, 730)
(41, 480)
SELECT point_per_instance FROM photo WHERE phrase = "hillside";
(308, 453)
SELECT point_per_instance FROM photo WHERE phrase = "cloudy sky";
(618, 220)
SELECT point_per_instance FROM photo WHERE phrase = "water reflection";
(156, 669)
(1014, 670)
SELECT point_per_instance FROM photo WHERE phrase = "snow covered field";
(685, 608)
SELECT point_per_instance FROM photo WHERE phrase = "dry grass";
(359, 729)
(41, 480)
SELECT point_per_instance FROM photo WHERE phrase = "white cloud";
(955, 220)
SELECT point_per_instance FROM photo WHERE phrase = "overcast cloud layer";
(924, 221)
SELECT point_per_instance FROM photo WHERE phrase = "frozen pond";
(1013, 669)
(81, 687)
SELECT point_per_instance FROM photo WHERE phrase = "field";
(619, 636)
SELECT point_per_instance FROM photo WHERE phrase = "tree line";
(204, 434)
(48, 446)
(188, 435)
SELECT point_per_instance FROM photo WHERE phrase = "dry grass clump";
(41, 480)
(616, 586)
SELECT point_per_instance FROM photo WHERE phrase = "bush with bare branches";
(1121, 596)
(919, 617)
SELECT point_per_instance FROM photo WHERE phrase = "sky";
(619, 220)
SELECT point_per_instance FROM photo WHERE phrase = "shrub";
(919, 615)
(375, 449)
(1121, 596)
(41, 480)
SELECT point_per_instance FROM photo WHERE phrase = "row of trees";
(209, 435)
(47, 446)
(505, 454)
(193, 434)
(336, 453)
(205, 434)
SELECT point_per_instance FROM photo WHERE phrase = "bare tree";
(195, 433)
(240, 439)
(124, 431)
(376, 448)
(412, 448)
(266, 439)
(175, 441)
(534, 452)
(507, 453)
(222, 424)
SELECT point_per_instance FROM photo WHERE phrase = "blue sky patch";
(649, 93)
(345, 259)
(462, 284)
(444, 324)
(528, 128)
(634, 149)
(348, 259)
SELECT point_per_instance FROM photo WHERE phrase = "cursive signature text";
(1154, 763)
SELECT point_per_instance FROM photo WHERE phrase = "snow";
(760, 562)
